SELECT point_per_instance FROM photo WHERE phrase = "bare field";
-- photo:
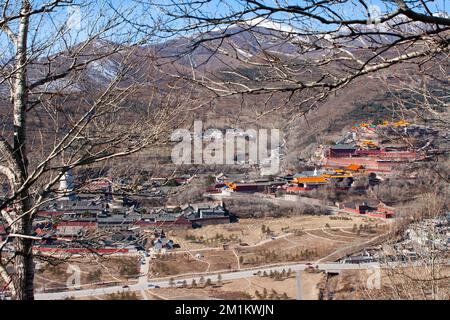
(175, 264)
(258, 242)
(219, 260)
(118, 269)
(198, 293)
(289, 249)
(191, 262)
(255, 288)
(115, 296)
(250, 231)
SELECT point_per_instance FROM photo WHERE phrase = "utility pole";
(299, 285)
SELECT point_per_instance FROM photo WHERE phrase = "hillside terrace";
(379, 148)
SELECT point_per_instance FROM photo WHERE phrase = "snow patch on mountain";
(270, 24)
(107, 69)
(244, 53)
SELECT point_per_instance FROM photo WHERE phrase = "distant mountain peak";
(269, 24)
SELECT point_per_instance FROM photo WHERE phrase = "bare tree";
(300, 52)
(72, 70)
(421, 92)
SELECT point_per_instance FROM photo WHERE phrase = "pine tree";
(219, 279)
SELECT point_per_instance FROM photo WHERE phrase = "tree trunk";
(23, 276)
(20, 90)
(23, 261)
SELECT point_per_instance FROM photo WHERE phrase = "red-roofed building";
(378, 211)
(81, 250)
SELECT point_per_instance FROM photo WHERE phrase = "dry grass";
(247, 288)
(93, 270)
(117, 296)
(249, 231)
(294, 239)
(174, 264)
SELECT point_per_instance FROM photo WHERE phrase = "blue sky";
(85, 18)
(350, 9)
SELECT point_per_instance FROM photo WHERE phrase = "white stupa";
(66, 186)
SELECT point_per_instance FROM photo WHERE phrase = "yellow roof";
(310, 180)
(401, 123)
(355, 167)
(337, 176)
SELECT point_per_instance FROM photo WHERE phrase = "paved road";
(143, 285)
(144, 276)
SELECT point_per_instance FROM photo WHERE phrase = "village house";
(163, 243)
(74, 228)
(200, 214)
(341, 150)
(379, 210)
(165, 220)
(73, 208)
(187, 216)
(305, 184)
(118, 219)
(222, 178)
(78, 216)
(262, 186)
